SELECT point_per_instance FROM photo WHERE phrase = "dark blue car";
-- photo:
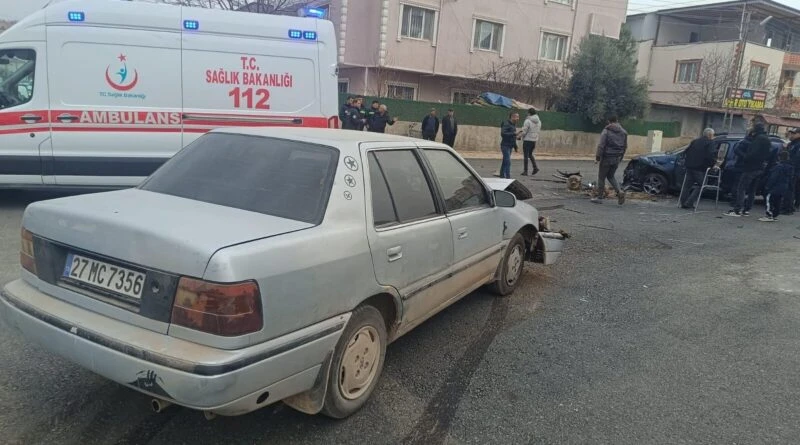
(662, 173)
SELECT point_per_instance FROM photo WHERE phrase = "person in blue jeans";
(508, 142)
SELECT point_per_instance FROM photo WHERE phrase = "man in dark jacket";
(343, 110)
(352, 117)
(610, 151)
(778, 184)
(449, 128)
(791, 201)
(508, 142)
(751, 160)
(699, 158)
(430, 126)
(380, 120)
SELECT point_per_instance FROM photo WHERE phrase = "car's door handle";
(67, 118)
(394, 254)
(30, 118)
(463, 233)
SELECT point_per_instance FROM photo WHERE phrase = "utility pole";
(737, 73)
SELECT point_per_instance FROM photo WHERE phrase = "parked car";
(261, 265)
(661, 173)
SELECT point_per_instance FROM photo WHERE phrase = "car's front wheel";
(511, 267)
(655, 184)
(357, 363)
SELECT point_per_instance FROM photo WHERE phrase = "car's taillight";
(220, 309)
(333, 122)
(26, 256)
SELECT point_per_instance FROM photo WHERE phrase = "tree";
(278, 7)
(525, 80)
(604, 82)
(717, 73)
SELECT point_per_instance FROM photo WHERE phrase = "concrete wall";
(691, 120)
(551, 142)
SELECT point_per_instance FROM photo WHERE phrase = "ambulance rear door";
(116, 99)
(248, 70)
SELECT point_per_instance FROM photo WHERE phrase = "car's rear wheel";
(357, 363)
(511, 267)
(655, 184)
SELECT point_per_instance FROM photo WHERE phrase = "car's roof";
(322, 136)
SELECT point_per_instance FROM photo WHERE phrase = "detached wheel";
(655, 184)
(357, 363)
(511, 267)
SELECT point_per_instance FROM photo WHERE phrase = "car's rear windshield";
(277, 177)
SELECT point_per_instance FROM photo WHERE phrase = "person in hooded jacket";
(778, 184)
(752, 156)
(610, 151)
(530, 135)
(791, 201)
(699, 158)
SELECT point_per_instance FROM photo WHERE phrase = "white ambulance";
(99, 93)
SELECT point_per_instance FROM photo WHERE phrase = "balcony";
(791, 61)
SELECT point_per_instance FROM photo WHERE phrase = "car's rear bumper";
(185, 373)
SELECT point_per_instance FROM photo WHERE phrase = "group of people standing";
(754, 158)
(354, 116)
(449, 125)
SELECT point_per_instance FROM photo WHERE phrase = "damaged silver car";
(261, 265)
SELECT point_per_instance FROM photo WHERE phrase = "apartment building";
(691, 55)
(423, 49)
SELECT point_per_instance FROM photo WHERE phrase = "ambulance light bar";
(76, 16)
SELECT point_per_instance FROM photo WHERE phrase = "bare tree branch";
(280, 7)
(525, 80)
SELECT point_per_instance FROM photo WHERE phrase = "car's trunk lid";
(159, 236)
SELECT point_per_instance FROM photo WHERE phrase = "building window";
(344, 85)
(688, 71)
(488, 36)
(464, 96)
(758, 75)
(417, 23)
(563, 2)
(554, 47)
(401, 91)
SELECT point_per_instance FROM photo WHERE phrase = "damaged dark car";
(662, 173)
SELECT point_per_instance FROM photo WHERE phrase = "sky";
(17, 9)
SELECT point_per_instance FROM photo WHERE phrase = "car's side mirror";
(504, 199)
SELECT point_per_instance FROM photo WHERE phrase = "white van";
(102, 92)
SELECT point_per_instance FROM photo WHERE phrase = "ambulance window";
(17, 67)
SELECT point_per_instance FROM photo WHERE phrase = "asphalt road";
(658, 326)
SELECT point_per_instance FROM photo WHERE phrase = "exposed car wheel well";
(529, 235)
(387, 306)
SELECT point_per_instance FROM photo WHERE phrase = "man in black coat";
(752, 159)
(449, 128)
(430, 126)
(379, 120)
(699, 158)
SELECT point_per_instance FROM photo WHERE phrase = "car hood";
(657, 158)
(158, 231)
(510, 185)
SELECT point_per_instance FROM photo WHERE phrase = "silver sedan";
(261, 265)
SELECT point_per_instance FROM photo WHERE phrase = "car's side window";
(461, 189)
(383, 213)
(405, 194)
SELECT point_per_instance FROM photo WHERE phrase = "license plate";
(105, 276)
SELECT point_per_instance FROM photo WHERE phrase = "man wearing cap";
(791, 201)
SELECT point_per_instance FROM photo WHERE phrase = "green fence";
(409, 110)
